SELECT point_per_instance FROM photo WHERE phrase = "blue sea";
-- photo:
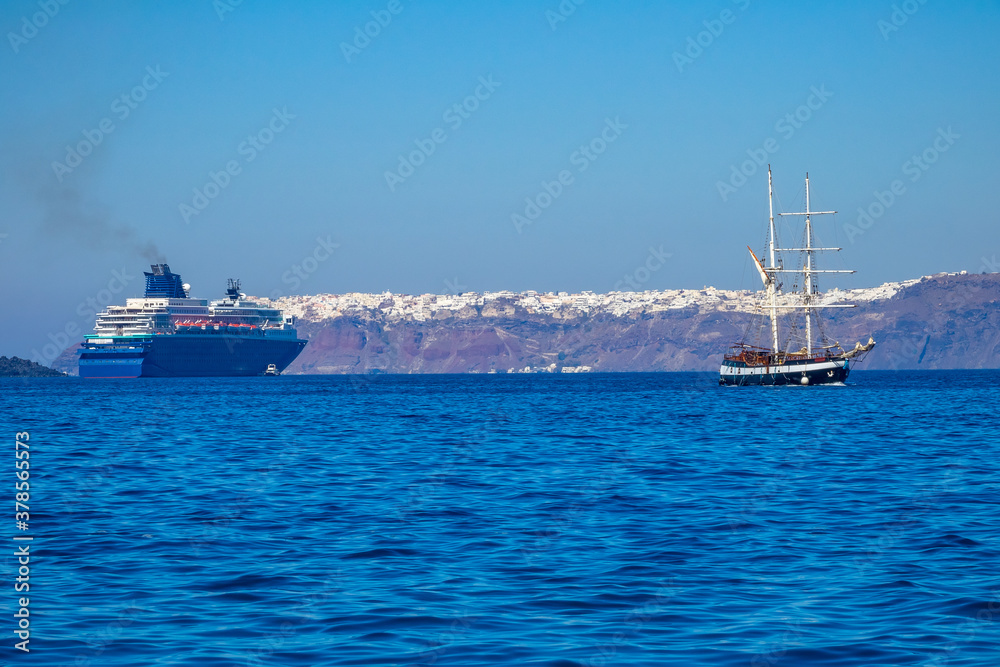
(557, 520)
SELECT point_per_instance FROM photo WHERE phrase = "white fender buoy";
(805, 380)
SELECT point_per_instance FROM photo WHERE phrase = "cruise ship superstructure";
(166, 333)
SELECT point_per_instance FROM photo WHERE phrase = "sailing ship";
(799, 352)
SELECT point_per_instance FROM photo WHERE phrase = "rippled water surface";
(519, 520)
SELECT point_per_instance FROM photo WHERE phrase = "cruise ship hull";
(187, 355)
(805, 372)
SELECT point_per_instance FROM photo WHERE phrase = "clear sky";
(623, 122)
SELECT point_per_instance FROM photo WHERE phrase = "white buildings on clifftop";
(470, 305)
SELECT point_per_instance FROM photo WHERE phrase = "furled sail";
(860, 349)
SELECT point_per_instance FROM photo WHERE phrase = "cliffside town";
(943, 321)
(561, 305)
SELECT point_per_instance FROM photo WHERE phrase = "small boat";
(272, 370)
(803, 355)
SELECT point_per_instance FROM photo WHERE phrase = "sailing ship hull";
(804, 372)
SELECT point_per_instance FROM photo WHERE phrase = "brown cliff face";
(946, 321)
(950, 321)
(942, 322)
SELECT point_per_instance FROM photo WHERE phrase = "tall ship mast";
(799, 352)
(166, 333)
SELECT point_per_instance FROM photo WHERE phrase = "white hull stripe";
(783, 368)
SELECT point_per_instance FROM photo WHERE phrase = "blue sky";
(203, 81)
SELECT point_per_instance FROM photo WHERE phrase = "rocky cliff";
(15, 367)
(937, 322)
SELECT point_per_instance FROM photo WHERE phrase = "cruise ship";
(166, 333)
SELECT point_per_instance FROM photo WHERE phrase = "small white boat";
(272, 370)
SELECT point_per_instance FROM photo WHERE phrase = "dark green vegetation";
(15, 367)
